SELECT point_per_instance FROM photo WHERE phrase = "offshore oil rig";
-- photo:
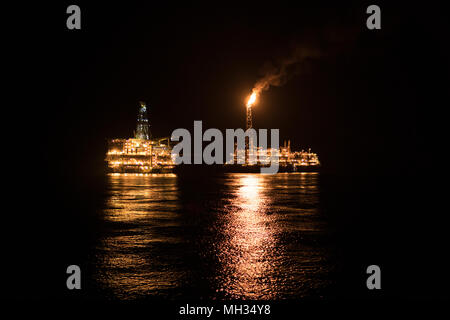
(140, 154)
(144, 154)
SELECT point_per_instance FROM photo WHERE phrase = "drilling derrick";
(142, 128)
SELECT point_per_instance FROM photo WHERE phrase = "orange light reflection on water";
(137, 206)
(247, 254)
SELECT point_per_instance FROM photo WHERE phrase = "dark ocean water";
(288, 237)
(234, 236)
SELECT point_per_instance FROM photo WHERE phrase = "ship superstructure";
(288, 160)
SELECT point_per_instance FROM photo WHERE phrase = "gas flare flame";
(252, 99)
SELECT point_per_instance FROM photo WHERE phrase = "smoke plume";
(279, 74)
(313, 44)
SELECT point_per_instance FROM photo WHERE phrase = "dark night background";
(372, 107)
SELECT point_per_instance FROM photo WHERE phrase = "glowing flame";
(252, 99)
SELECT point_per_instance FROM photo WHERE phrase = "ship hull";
(184, 169)
(236, 168)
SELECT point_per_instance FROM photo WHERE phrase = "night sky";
(362, 99)
(371, 104)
